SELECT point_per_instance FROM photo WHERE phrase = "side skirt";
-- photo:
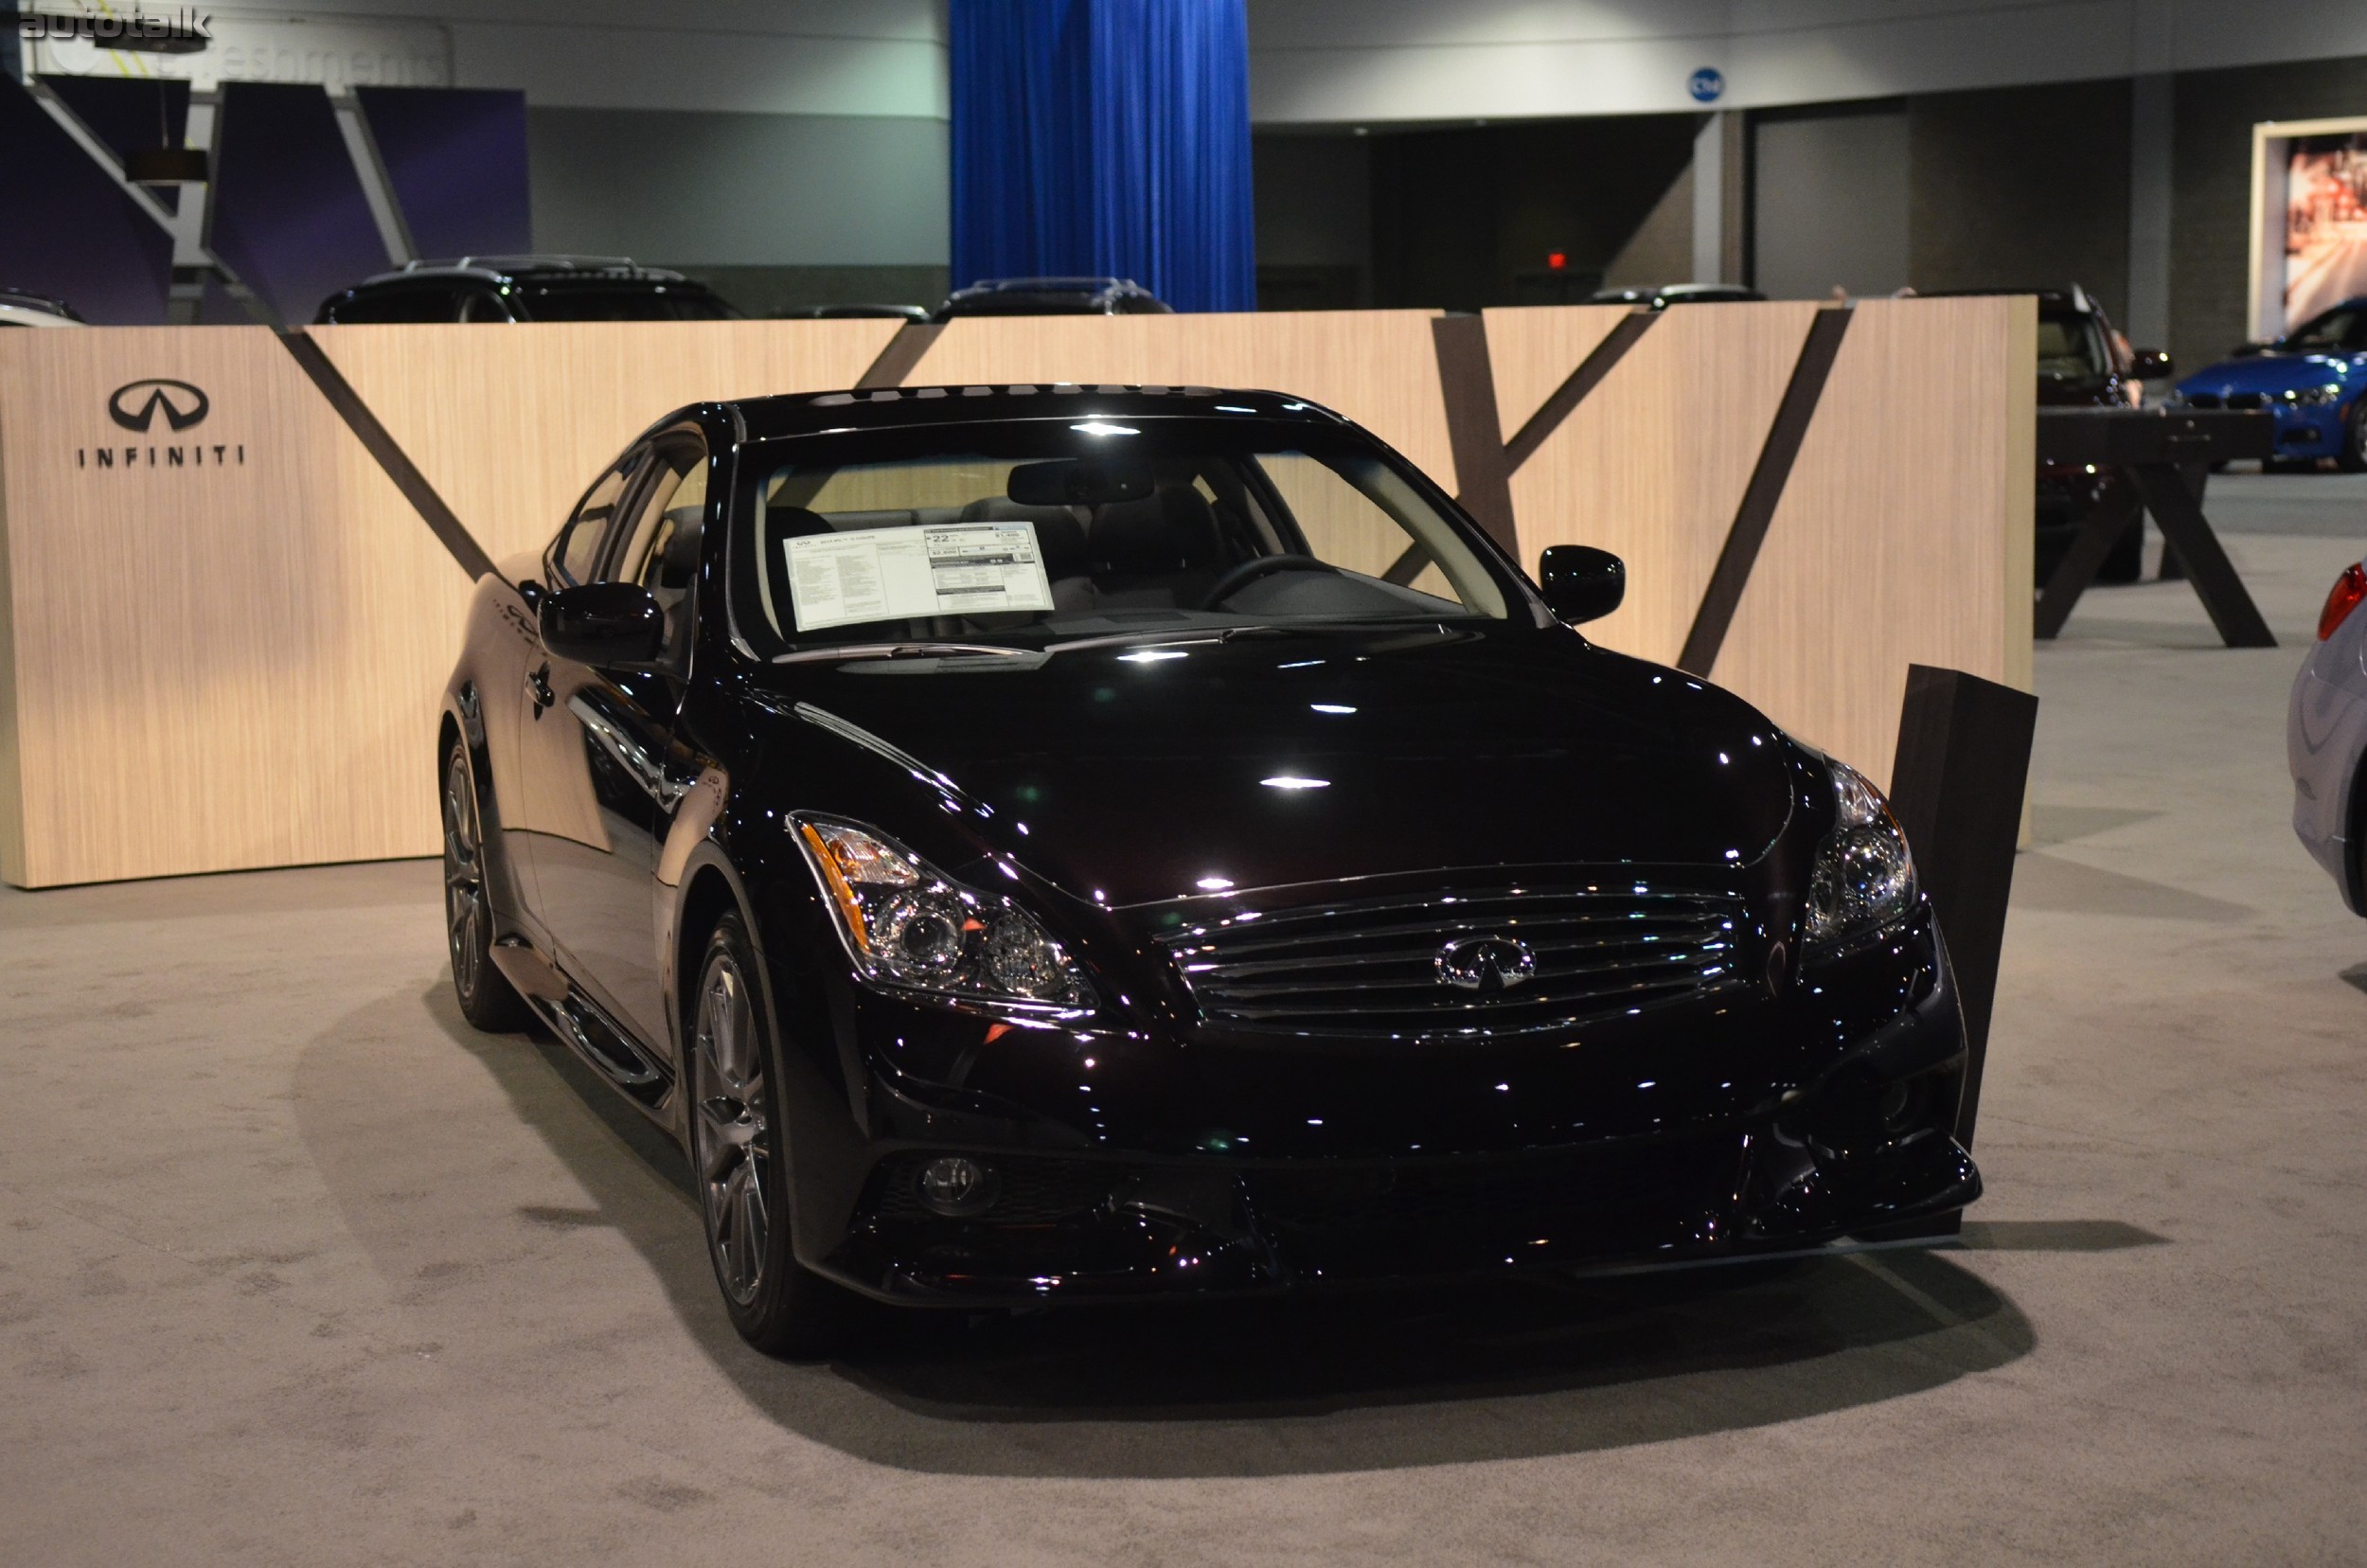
(607, 1046)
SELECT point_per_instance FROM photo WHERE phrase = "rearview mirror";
(1079, 482)
(1580, 583)
(603, 624)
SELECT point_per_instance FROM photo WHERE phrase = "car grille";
(1372, 967)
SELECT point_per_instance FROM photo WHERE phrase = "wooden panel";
(1532, 349)
(1376, 366)
(11, 791)
(1653, 464)
(1905, 534)
(223, 662)
(512, 425)
(235, 663)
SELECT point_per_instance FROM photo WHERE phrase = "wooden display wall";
(231, 658)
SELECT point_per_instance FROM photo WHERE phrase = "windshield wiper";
(849, 653)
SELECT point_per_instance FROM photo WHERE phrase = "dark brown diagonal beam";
(439, 518)
(1585, 378)
(1476, 437)
(1759, 497)
(1957, 782)
(902, 356)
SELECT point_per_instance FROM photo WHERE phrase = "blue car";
(2311, 378)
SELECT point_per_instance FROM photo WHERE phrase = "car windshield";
(622, 302)
(2070, 347)
(2329, 334)
(1029, 533)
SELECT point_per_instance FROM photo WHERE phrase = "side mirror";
(603, 624)
(2149, 365)
(1580, 583)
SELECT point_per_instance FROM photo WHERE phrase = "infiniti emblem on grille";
(1485, 963)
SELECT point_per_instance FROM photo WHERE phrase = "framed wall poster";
(2309, 220)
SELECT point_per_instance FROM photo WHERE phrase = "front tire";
(738, 1159)
(2352, 457)
(486, 998)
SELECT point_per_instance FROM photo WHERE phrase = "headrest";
(681, 548)
(678, 559)
(1171, 531)
(1058, 534)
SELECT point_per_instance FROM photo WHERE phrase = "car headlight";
(2316, 396)
(909, 927)
(1863, 877)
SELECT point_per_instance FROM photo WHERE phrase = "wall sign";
(139, 407)
(2308, 220)
(135, 406)
(1707, 85)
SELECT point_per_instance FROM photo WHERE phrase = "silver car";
(2326, 733)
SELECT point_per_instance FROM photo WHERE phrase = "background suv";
(526, 288)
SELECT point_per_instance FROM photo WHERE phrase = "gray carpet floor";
(298, 1269)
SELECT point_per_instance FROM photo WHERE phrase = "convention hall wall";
(777, 211)
(301, 615)
(1988, 187)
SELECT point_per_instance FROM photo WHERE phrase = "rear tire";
(739, 1156)
(487, 1000)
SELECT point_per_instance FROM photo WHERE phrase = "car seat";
(1161, 552)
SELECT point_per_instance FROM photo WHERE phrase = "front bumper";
(1104, 1230)
(1192, 1172)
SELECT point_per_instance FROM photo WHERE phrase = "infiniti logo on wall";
(142, 407)
(136, 406)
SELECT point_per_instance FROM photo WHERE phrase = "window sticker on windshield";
(894, 574)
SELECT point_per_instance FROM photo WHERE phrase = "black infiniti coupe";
(1053, 843)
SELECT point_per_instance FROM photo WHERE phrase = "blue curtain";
(1105, 139)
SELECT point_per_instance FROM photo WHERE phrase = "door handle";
(539, 690)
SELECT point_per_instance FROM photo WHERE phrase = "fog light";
(1898, 1102)
(956, 1185)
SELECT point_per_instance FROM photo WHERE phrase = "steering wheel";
(1253, 569)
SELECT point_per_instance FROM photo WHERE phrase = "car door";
(598, 739)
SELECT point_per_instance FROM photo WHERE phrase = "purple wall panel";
(288, 215)
(130, 115)
(457, 159)
(66, 230)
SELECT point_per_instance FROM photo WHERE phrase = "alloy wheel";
(464, 876)
(728, 1130)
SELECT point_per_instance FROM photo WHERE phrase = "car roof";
(897, 408)
(1675, 293)
(1013, 295)
(540, 269)
(45, 304)
(2073, 298)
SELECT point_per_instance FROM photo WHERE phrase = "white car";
(2325, 736)
(20, 309)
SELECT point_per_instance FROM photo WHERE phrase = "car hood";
(1130, 774)
(2268, 373)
